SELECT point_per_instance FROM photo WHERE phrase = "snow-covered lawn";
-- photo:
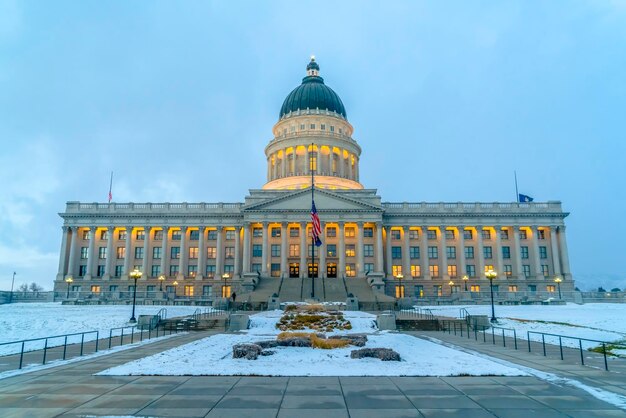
(595, 321)
(213, 356)
(20, 321)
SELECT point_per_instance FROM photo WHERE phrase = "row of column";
(280, 167)
(558, 246)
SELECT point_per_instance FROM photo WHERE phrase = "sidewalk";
(73, 391)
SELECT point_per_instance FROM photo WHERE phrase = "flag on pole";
(111, 188)
(522, 198)
(317, 227)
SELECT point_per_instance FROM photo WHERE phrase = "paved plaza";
(72, 391)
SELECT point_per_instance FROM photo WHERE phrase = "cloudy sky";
(179, 98)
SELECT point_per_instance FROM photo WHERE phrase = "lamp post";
(465, 279)
(69, 281)
(175, 286)
(558, 281)
(490, 275)
(225, 276)
(12, 283)
(400, 292)
(451, 284)
(135, 274)
(161, 280)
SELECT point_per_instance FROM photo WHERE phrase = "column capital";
(265, 224)
(247, 224)
(360, 224)
(147, 228)
(202, 228)
(65, 228)
(128, 228)
(93, 228)
(219, 228)
(341, 224)
(379, 224)
(284, 224)
(184, 228)
(406, 228)
(238, 228)
(165, 228)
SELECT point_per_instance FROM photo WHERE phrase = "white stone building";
(419, 250)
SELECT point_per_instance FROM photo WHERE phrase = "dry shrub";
(288, 335)
(327, 344)
(289, 308)
(313, 308)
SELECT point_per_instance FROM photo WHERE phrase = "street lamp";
(135, 274)
(12, 283)
(225, 276)
(161, 280)
(69, 281)
(175, 286)
(558, 281)
(451, 284)
(490, 275)
(400, 292)
(465, 279)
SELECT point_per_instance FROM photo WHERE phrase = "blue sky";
(447, 99)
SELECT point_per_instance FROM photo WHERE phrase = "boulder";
(384, 354)
(295, 342)
(247, 351)
(267, 344)
(357, 340)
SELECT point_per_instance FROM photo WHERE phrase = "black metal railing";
(417, 313)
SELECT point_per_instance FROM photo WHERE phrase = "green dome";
(312, 94)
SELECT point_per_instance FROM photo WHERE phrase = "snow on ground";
(213, 356)
(20, 321)
(595, 321)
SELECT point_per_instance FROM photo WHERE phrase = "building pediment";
(300, 200)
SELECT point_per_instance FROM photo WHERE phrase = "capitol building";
(262, 246)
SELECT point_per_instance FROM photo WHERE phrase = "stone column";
(350, 173)
(146, 252)
(246, 247)
(164, 254)
(444, 259)
(480, 256)
(182, 262)
(307, 160)
(219, 254)
(330, 161)
(284, 249)
(236, 268)
(535, 253)
(63, 254)
(342, 164)
(424, 253)
(379, 248)
(128, 255)
(108, 269)
(517, 256)
(284, 163)
(264, 253)
(90, 253)
(564, 254)
(360, 259)
(201, 253)
(497, 253)
(406, 259)
(555, 251)
(321, 268)
(389, 270)
(342, 249)
(71, 268)
(303, 251)
(461, 269)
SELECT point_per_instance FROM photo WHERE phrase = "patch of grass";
(287, 335)
(618, 345)
(314, 319)
(539, 321)
(328, 344)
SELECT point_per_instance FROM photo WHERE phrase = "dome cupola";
(313, 94)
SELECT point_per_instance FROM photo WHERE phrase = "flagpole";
(312, 226)
(516, 191)
(111, 187)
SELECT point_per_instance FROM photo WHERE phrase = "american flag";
(317, 227)
(110, 196)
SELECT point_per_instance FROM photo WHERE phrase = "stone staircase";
(368, 299)
(292, 290)
(265, 288)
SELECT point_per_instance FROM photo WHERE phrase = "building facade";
(420, 250)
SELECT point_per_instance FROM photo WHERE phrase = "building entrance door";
(294, 270)
(313, 270)
(331, 270)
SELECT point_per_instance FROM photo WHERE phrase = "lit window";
(350, 270)
(294, 250)
(400, 291)
(414, 234)
(211, 252)
(188, 290)
(275, 232)
(488, 267)
(396, 270)
(434, 270)
(350, 232)
(551, 288)
(419, 291)
(438, 290)
(331, 232)
(257, 232)
(230, 234)
(229, 252)
(275, 269)
(512, 288)
(95, 289)
(508, 270)
(294, 232)
(416, 270)
(140, 235)
(475, 288)
(350, 250)
(331, 250)
(452, 270)
(121, 235)
(193, 252)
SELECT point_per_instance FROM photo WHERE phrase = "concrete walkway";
(72, 390)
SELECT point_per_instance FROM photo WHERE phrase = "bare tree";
(34, 287)
(23, 288)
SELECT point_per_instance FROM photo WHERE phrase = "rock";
(247, 351)
(384, 354)
(268, 352)
(357, 340)
(267, 344)
(295, 342)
